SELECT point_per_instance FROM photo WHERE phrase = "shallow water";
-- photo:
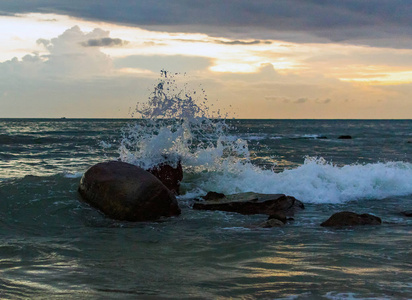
(54, 246)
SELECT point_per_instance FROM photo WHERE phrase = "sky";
(271, 59)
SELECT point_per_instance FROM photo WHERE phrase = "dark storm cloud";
(370, 22)
(104, 42)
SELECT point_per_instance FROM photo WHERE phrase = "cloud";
(49, 20)
(68, 79)
(68, 57)
(237, 42)
(43, 42)
(7, 14)
(104, 42)
(155, 63)
(301, 100)
(325, 101)
(65, 60)
(372, 22)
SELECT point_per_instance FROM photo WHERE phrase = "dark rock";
(407, 213)
(345, 137)
(322, 137)
(213, 196)
(278, 216)
(126, 192)
(347, 218)
(253, 203)
(271, 223)
(169, 176)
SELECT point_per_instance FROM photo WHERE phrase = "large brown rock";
(347, 218)
(170, 176)
(126, 192)
(252, 203)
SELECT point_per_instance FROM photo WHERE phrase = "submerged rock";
(347, 218)
(275, 220)
(345, 137)
(170, 176)
(126, 192)
(253, 203)
(278, 216)
(271, 223)
(407, 213)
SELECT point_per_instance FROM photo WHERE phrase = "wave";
(19, 139)
(173, 127)
(308, 137)
(73, 175)
(316, 181)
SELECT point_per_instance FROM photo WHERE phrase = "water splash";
(176, 124)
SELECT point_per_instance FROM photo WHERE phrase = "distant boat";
(63, 118)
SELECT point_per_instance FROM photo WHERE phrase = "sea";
(55, 246)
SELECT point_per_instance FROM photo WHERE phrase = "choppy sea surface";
(53, 246)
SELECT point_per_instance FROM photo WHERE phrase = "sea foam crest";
(175, 124)
(318, 181)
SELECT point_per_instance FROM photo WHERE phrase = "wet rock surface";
(347, 218)
(213, 196)
(252, 203)
(169, 175)
(126, 192)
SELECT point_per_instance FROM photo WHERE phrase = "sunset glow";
(51, 47)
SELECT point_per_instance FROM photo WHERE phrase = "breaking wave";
(176, 124)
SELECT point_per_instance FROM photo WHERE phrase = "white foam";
(73, 175)
(317, 181)
(176, 127)
(254, 137)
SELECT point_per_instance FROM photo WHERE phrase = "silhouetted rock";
(253, 203)
(169, 176)
(407, 213)
(126, 192)
(345, 137)
(347, 218)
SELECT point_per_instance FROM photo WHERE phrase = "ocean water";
(54, 246)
